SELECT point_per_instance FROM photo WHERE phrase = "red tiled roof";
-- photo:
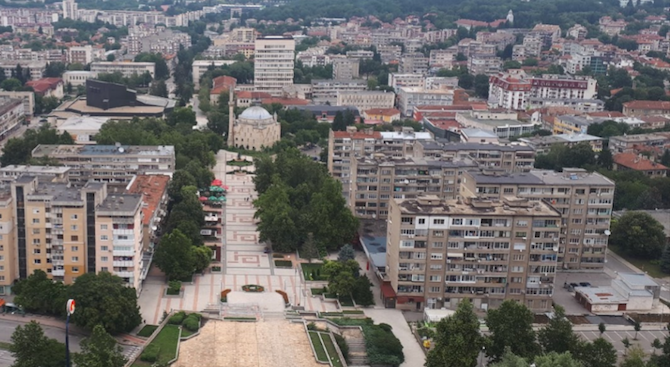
(609, 114)
(637, 163)
(152, 188)
(42, 85)
(382, 111)
(446, 124)
(357, 135)
(648, 105)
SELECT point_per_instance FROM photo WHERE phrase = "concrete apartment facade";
(583, 198)
(11, 115)
(114, 164)
(508, 157)
(273, 64)
(365, 100)
(440, 252)
(128, 69)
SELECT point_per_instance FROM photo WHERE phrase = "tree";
(341, 276)
(182, 115)
(639, 235)
(635, 358)
(605, 159)
(362, 293)
(466, 81)
(202, 257)
(665, 259)
(557, 336)
(338, 122)
(626, 345)
(599, 353)
(481, 85)
(457, 339)
(510, 326)
(39, 294)
(99, 350)
(656, 344)
(346, 253)
(530, 62)
(159, 88)
(554, 359)
(510, 359)
(602, 328)
(105, 299)
(174, 256)
(31, 348)
(309, 250)
(11, 84)
(636, 327)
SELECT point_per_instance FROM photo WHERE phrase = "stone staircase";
(358, 356)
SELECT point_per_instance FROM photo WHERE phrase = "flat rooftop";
(79, 106)
(457, 146)
(601, 295)
(120, 203)
(36, 170)
(509, 206)
(97, 150)
(569, 177)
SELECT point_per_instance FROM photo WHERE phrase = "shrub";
(177, 318)
(386, 327)
(344, 347)
(196, 315)
(311, 326)
(192, 324)
(150, 353)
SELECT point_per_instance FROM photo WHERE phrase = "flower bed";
(240, 163)
(283, 264)
(253, 288)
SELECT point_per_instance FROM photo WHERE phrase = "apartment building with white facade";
(273, 64)
(127, 69)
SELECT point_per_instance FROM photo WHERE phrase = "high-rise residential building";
(114, 164)
(84, 54)
(273, 64)
(583, 198)
(508, 157)
(67, 231)
(345, 68)
(381, 178)
(439, 252)
(70, 10)
(9, 271)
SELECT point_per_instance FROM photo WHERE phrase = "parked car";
(585, 284)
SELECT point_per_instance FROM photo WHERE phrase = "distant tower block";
(510, 17)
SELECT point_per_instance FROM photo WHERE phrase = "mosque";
(254, 129)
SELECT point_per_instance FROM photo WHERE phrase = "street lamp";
(70, 311)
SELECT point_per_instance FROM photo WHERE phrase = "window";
(457, 222)
(75, 259)
(104, 259)
(103, 227)
(438, 244)
(75, 269)
(104, 268)
(576, 221)
(36, 231)
(435, 289)
(521, 234)
(516, 279)
(438, 221)
(74, 216)
(435, 256)
(518, 257)
(2, 257)
(36, 241)
(436, 267)
(75, 248)
(438, 233)
(407, 220)
(508, 190)
(36, 251)
(36, 221)
(517, 269)
(576, 231)
(74, 238)
(104, 238)
(104, 248)
(73, 227)
(37, 261)
(435, 278)
(422, 221)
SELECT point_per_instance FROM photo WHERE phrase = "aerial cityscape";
(304, 183)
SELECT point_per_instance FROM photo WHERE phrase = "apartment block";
(113, 164)
(8, 251)
(27, 97)
(440, 252)
(344, 146)
(273, 64)
(583, 198)
(378, 179)
(126, 68)
(346, 68)
(11, 115)
(200, 67)
(510, 157)
(84, 54)
(325, 91)
(408, 98)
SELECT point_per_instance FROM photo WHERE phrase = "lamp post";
(70, 311)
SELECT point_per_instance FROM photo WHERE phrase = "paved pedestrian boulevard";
(243, 258)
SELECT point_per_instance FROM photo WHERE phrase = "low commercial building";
(440, 252)
(628, 292)
(78, 77)
(383, 115)
(499, 123)
(47, 87)
(82, 128)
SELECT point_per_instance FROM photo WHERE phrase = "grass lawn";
(317, 291)
(353, 312)
(167, 340)
(147, 330)
(308, 269)
(186, 332)
(654, 270)
(330, 348)
(284, 263)
(315, 338)
(239, 163)
(346, 301)
(5, 346)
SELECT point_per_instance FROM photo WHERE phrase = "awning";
(387, 291)
(409, 299)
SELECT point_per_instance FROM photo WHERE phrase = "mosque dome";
(255, 113)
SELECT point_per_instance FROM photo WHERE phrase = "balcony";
(124, 274)
(124, 264)
(58, 273)
(130, 253)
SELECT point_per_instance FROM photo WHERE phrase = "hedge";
(177, 318)
(150, 353)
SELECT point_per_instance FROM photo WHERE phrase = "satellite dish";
(121, 150)
(607, 233)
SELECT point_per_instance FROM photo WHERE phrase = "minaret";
(510, 17)
(231, 118)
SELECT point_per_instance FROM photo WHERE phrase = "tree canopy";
(510, 326)
(99, 350)
(457, 339)
(639, 235)
(31, 348)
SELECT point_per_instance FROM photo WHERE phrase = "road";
(20, 130)
(200, 118)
